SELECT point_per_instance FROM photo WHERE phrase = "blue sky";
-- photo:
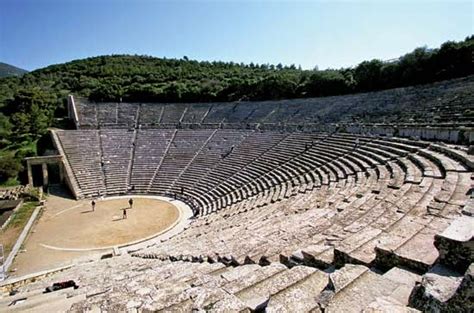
(327, 34)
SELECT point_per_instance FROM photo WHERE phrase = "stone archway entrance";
(52, 171)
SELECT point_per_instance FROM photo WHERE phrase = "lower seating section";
(150, 148)
(232, 170)
(180, 153)
(217, 168)
(284, 222)
(127, 283)
(217, 148)
(116, 148)
(83, 151)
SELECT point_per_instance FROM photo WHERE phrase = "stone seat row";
(439, 102)
(338, 170)
(126, 283)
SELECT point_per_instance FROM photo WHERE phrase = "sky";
(326, 34)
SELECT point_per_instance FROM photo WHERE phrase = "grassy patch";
(10, 234)
(12, 181)
(28, 146)
(21, 216)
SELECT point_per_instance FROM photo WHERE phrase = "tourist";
(130, 203)
(124, 213)
(93, 205)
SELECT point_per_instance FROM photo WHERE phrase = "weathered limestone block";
(443, 290)
(388, 305)
(258, 295)
(319, 255)
(456, 245)
(300, 297)
(469, 208)
(417, 254)
(252, 278)
(361, 292)
(339, 280)
(400, 296)
(229, 304)
(347, 274)
(212, 299)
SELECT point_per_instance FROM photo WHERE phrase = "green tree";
(32, 112)
(9, 167)
(367, 75)
(326, 83)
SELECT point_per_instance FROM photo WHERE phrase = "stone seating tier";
(441, 103)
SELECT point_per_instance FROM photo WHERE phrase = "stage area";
(69, 230)
(80, 227)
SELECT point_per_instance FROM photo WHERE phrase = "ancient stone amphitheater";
(336, 204)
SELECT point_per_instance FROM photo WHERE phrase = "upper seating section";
(442, 103)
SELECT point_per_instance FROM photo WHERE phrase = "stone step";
(32, 303)
(418, 253)
(258, 295)
(301, 296)
(319, 255)
(359, 291)
(407, 281)
(167, 295)
(250, 279)
(341, 278)
(343, 250)
(207, 298)
(55, 305)
(387, 304)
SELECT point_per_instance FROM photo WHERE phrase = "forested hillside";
(35, 101)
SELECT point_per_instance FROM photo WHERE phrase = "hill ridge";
(7, 70)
